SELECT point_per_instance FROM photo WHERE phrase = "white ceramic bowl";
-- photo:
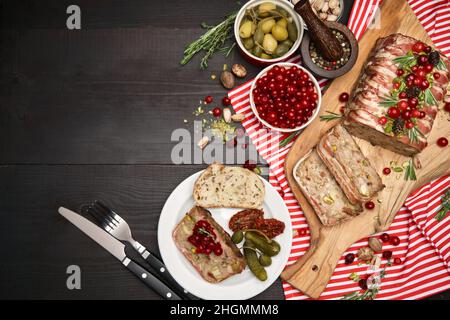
(295, 17)
(286, 65)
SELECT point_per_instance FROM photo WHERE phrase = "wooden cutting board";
(311, 273)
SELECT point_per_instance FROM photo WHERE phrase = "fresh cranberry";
(406, 115)
(385, 237)
(422, 115)
(393, 112)
(421, 73)
(417, 81)
(400, 72)
(386, 171)
(343, 97)
(427, 49)
(217, 112)
(382, 120)
(413, 102)
(414, 68)
(397, 261)
(387, 254)
(403, 95)
(369, 205)
(218, 250)
(428, 67)
(363, 284)
(436, 76)
(349, 258)
(396, 85)
(208, 99)
(409, 124)
(424, 85)
(395, 241)
(442, 142)
(418, 47)
(415, 113)
(422, 60)
(402, 105)
(447, 107)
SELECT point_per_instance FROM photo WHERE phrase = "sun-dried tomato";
(245, 219)
(270, 227)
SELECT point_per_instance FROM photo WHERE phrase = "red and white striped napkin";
(425, 243)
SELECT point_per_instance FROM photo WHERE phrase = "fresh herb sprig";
(445, 207)
(410, 172)
(212, 41)
(330, 116)
(285, 141)
(413, 134)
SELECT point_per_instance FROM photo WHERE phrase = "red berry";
(217, 112)
(415, 113)
(397, 261)
(422, 60)
(409, 124)
(436, 76)
(385, 237)
(208, 99)
(414, 68)
(400, 72)
(447, 107)
(349, 258)
(344, 97)
(418, 47)
(413, 102)
(395, 241)
(403, 95)
(442, 142)
(370, 205)
(363, 284)
(218, 250)
(406, 115)
(424, 85)
(393, 112)
(396, 85)
(382, 120)
(387, 254)
(402, 105)
(386, 171)
(422, 114)
(427, 49)
(428, 67)
(421, 73)
(226, 101)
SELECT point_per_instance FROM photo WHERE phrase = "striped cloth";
(425, 243)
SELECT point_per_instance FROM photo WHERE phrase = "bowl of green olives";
(268, 31)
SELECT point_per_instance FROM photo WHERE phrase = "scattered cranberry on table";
(395, 241)
(226, 101)
(217, 112)
(344, 96)
(397, 261)
(442, 142)
(385, 237)
(370, 205)
(447, 107)
(386, 171)
(363, 284)
(387, 254)
(349, 258)
(208, 99)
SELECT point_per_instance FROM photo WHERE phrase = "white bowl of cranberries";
(285, 97)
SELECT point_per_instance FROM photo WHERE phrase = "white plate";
(242, 286)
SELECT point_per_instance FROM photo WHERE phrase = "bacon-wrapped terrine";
(323, 192)
(351, 169)
(395, 102)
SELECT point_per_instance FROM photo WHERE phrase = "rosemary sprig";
(413, 134)
(285, 141)
(445, 207)
(407, 61)
(330, 116)
(410, 172)
(212, 41)
(429, 98)
(388, 101)
(441, 65)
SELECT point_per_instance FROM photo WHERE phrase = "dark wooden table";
(88, 114)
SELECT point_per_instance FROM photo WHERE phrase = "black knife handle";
(164, 275)
(150, 280)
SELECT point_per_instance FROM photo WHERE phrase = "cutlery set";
(113, 232)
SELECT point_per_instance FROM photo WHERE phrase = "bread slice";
(229, 187)
(323, 192)
(351, 169)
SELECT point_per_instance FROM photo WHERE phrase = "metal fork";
(119, 228)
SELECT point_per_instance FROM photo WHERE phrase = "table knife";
(117, 249)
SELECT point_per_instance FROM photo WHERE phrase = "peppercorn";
(398, 125)
(434, 58)
(413, 92)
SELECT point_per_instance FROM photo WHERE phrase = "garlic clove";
(227, 115)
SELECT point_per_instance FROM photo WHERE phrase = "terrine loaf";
(232, 187)
(351, 169)
(323, 192)
(395, 101)
(213, 268)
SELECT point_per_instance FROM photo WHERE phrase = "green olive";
(267, 25)
(282, 23)
(257, 51)
(288, 43)
(282, 12)
(267, 246)
(269, 43)
(248, 43)
(265, 8)
(245, 31)
(265, 260)
(292, 31)
(281, 50)
(265, 56)
(279, 33)
(253, 263)
(258, 37)
(237, 237)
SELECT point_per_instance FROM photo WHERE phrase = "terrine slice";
(323, 192)
(351, 169)
(211, 267)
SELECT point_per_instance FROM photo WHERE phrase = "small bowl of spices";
(319, 65)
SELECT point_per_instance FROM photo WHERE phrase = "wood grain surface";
(311, 272)
(89, 114)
